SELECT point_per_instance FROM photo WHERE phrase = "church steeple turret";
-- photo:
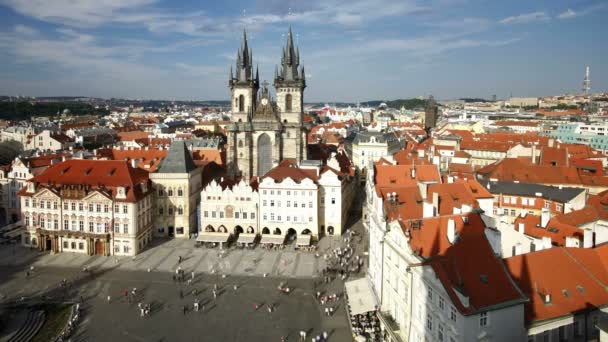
(244, 66)
(289, 74)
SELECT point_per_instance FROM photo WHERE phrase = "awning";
(213, 237)
(14, 233)
(360, 295)
(274, 239)
(246, 238)
(303, 240)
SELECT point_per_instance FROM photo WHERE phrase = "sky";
(354, 50)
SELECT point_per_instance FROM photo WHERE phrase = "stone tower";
(244, 84)
(262, 132)
(289, 82)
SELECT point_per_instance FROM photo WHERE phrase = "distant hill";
(24, 110)
(397, 104)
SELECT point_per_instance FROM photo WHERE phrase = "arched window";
(240, 143)
(170, 210)
(170, 192)
(180, 210)
(180, 192)
(288, 103)
(241, 103)
(161, 211)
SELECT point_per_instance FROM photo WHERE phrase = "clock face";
(264, 101)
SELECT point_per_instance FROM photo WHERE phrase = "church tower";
(289, 82)
(244, 84)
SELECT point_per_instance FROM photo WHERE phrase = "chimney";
(451, 231)
(413, 172)
(523, 213)
(421, 153)
(436, 202)
(521, 228)
(545, 215)
(546, 242)
(450, 179)
(533, 154)
(551, 141)
(134, 163)
(587, 238)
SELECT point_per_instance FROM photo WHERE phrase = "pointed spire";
(231, 75)
(303, 73)
(276, 72)
(257, 74)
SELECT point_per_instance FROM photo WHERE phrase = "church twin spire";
(244, 66)
(290, 73)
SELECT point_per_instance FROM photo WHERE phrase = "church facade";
(264, 132)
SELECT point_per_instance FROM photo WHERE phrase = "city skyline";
(367, 51)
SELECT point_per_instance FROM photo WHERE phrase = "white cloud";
(567, 14)
(570, 13)
(201, 70)
(525, 18)
(25, 30)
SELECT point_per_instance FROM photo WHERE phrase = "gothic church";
(262, 132)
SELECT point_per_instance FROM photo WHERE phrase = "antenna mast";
(586, 82)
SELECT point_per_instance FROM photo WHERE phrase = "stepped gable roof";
(584, 287)
(95, 174)
(469, 266)
(178, 159)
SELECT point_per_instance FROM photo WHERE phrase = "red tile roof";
(104, 175)
(455, 195)
(512, 169)
(469, 265)
(147, 159)
(401, 175)
(132, 135)
(556, 230)
(575, 279)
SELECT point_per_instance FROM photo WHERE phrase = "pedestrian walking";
(179, 260)
(184, 309)
(325, 335)
(235, 287)
(302, 335)
(181, 294)
(109, 299)
(192, 275)
(214, 294)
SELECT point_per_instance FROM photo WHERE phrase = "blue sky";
(353, 50)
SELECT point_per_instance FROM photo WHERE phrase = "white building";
(97, 207)
(369, 147)
(49, 141)
(229, 206)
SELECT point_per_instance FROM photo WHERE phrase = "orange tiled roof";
(583, 287)
(103, 175)
(468, 265)
(556, 230)
(147, 159)
(132, 135)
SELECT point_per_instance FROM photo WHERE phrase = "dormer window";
(121, 192)
(30, 187)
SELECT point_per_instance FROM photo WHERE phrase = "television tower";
(586, 82)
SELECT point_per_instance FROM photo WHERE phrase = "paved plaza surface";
(231, 316)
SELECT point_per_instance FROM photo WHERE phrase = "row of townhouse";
(437, 269)
(307, 198)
